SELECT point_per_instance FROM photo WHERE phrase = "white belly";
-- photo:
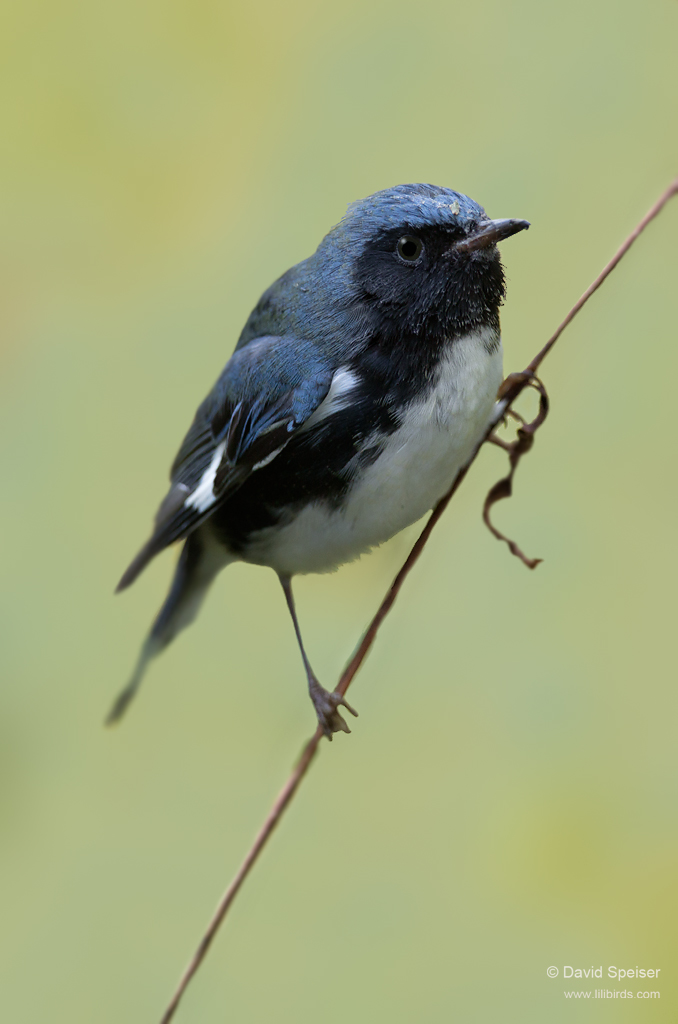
(417, 465)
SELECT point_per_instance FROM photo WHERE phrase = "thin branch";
(302, 766)
(512, 387)
(275, 814)
(620, 253)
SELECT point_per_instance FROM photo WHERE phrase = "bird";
(362, 382)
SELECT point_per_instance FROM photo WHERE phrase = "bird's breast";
(416, 464)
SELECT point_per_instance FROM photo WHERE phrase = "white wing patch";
(269, 458)
(203, 496)
(337, 398)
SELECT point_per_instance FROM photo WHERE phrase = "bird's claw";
(327, 706)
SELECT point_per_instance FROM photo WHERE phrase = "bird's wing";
(267, 390)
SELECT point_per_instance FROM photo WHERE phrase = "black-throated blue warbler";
(360, 385)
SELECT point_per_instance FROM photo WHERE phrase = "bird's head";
(423, 258)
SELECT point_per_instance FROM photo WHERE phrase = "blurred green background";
(507, 800)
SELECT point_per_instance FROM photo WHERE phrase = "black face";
(420, 282)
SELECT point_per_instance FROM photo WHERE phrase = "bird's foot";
(327, 706)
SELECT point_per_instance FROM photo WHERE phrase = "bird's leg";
(326, 704)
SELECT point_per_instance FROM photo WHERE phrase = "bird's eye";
(409, 248)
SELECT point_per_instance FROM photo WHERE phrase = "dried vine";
(510, 390)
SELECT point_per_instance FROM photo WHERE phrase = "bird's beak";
(490, 232)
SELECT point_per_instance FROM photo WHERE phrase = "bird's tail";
(197, 567)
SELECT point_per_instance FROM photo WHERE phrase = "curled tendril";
(511, 388)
